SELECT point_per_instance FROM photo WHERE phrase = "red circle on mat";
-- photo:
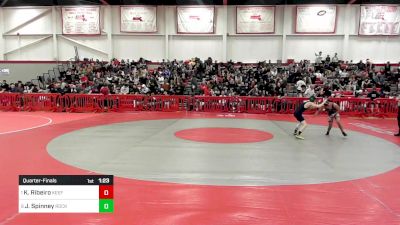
(224, 135)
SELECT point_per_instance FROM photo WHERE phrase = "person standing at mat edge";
(398, 115)
(298, 114)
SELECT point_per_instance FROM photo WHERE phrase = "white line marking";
(30, 128)
(372, 128)
(9, 219)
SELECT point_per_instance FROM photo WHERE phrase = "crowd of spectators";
(326, 77)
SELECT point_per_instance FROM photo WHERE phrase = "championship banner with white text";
(198, 20)
(316, 19)
(255, 19)
(139, 19)
(81, 20)
(379, 20)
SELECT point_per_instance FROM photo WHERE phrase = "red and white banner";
(316, 19)
(379, 20)
(81, 20)
(198, 20)
(255, 19)
(139, 19)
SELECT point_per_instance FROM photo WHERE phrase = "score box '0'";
(66, 194)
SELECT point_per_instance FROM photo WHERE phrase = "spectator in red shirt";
(205, 89)
(115, 62)
(105, 90)
(84, 79)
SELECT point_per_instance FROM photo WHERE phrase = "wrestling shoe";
(327, 133)
(344, 134)
(298, 136)
(295, 132)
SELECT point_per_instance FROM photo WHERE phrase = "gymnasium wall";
(34, 33)
(25, 71)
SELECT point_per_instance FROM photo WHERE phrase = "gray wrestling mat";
(149, 150)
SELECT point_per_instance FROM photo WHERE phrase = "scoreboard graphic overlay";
(66, 194)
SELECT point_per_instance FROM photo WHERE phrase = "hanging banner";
(197, 20)
(139, 19)
(4, 71)
(316, 19)
(379, 20)
(255, 19)
(81, 20)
